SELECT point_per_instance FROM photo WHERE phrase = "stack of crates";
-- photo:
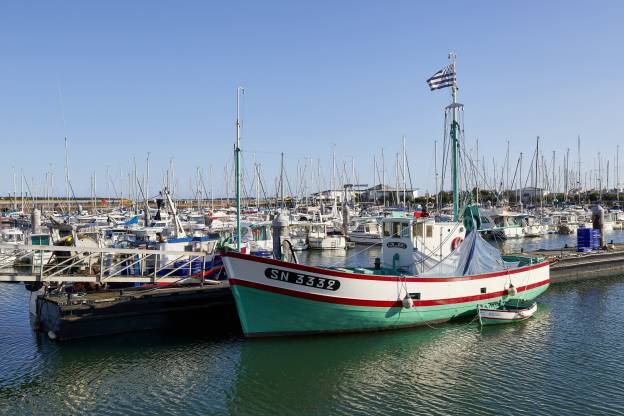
(587, 239)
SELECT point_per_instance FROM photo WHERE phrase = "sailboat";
(275, 297)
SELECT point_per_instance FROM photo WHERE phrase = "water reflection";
(565, 360)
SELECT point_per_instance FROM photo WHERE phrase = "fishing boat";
(507, 311)
(274, 297)
(404, 288)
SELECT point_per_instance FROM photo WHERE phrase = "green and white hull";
(279, 298)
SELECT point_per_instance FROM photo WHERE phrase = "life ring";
(456, 242)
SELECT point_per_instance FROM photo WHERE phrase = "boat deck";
(385, 271)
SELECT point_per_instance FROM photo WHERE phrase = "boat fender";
(52, 335)
(408, 303)
(512, 291)
(456, 242)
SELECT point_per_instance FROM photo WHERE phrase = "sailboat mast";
(333, 183)
(211, 194)
(22, 188)
(520, 188)
(578, 151)
(617, 171)
(404, 183)
(477, 175)
(397, 180)
(281, 181)
(66, 177)
(14, 191)
(383, 176)
(239, 91)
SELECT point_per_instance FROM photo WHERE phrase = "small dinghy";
(506, 311)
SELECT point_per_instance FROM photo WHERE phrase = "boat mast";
(435, 170)
(507, 174)
(239, 91)
(22, 188)
(333, 183)
(578, 151)
(477, 175)
(455, 143)
(257, 184)
(398, 197)
(383, 176)
(536, 166)
(520, 191)
(14, 191)
(404, 183)
(281, 181)
(211, 194)
(66, 177)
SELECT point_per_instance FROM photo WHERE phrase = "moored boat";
(506, 312)
(408, 286)
(274, 297)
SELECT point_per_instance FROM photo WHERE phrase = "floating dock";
(64, 316)
(567, 265)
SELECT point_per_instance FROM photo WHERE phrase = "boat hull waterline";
(278, 298)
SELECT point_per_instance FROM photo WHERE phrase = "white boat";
(14, 237)
(298, 235)
(366, 233)
(506, 312)
(531, 227)
(321, 238)
(501, 224)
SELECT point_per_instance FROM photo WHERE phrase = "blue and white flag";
(443, 78)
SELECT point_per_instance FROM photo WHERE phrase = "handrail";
(104, 250)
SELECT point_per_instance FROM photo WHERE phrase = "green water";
(566, 360)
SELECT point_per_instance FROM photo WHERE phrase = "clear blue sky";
(139, 76)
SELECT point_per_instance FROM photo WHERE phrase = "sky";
(123, 79)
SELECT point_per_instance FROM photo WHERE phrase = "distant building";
(329, 195)
(530, 193)
(373, 194)
(378, 192)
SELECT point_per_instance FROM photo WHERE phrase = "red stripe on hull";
(377, 303)
(330, 272)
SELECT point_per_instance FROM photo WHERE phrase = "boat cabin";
(402, 236)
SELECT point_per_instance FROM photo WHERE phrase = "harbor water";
(566, 360)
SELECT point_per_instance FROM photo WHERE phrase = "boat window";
(405, 230)
(396, 229)
(418, 229)
(40, 240)
(387, 229)
(430, 231)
